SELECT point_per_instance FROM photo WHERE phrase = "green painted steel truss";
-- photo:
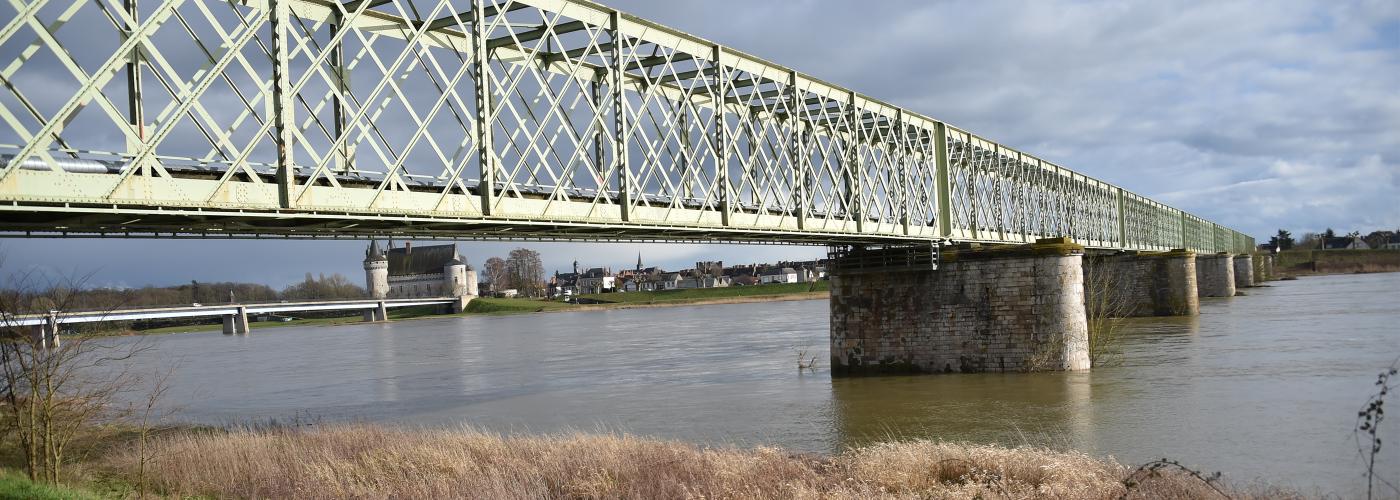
(493, 119)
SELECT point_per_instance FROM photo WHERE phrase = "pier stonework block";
(1128, 284)
(1004, 309)
(1215, 275)
(1264, 267)
(1244, 271)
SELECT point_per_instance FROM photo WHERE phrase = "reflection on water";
(1035, 409)
(1263, 386)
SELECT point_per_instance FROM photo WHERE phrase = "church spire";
(639, 260)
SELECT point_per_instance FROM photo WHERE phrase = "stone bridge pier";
(1003, 309)
(1244, 271)
(1215, 275)
(1127, 284)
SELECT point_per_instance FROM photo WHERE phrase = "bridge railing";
(557, 116)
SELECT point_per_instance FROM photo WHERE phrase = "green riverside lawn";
(494, 306)
(629, 299)
(14, 484)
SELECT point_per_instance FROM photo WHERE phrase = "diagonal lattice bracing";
(493, 119)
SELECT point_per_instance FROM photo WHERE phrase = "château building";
(426, 271)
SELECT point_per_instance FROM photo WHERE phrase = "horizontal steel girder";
(494, 119)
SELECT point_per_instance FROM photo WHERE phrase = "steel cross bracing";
(493, 119)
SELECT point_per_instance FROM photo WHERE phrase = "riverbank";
(1324, 262)
(367, 461)
(592, 302)
(666, 298)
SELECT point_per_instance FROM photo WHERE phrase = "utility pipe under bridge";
(46, 326)
(494, 119)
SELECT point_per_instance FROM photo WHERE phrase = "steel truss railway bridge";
(494, 119)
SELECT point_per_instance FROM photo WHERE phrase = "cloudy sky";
(1257, 114)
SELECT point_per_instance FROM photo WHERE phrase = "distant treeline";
(75, 297)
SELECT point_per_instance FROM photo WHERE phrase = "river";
(1264, 386)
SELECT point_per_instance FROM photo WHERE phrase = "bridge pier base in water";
(1215, 275)
(1128, 284)
(237, 322)
(45, 335)
(1244, 271)
(379, 313)
(1005, 309)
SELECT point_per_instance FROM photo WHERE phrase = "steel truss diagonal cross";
(493, 119)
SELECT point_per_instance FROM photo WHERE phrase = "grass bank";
(1308, 262)
(759, 293)
(364, 461)
(15, 485)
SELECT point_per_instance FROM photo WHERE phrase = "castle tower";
(376, 272)
(458, 278)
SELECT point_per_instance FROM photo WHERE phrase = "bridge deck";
(495, 119)
(215, 310)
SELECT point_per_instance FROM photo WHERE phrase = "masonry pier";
(1004, 309)
(1264, 267)
(1244, 271)
(1127, 284)
(1215, 275)
(237, 322)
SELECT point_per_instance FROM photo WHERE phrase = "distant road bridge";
(47, 326)
(494, 119)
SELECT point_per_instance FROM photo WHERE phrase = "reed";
(364, 461)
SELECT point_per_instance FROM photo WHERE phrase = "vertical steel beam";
(687, 160)
(1122, 218)
(595, 95)
(854, 168)
(901, 142)
(721, 133)
(1185, 233)
(133, 81)
(481, 72)
(945, 199)
(797, 151)
(620, 153)
(998, 175)
(282, 110)
(341, 75)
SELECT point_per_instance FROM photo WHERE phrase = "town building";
(1344, 243)
(778, 275)
(426, 271)
(597, 280)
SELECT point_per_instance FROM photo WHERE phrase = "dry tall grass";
(379, 462)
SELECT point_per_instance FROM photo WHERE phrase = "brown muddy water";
(1264, 386)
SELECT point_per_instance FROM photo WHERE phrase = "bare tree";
(525, 272)
(335, 286)
(146, 415)
(495, 269)
(1104, 304)
(52, 390)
